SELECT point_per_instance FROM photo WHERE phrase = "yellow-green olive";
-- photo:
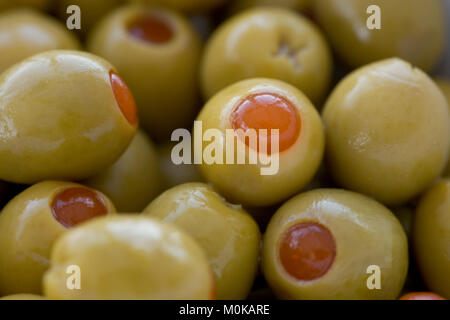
(444, 85)
(37, 4)
(133, 180)
(413, 30)
(32, 221)
(251, 106)
(334, 244)
(157, 52)
(387, 131)
(129, 258)
(23, 296)
(24, 33)
(431, 236)
(176, 174)
(63, 115)
(286, 46)
(91, 11)
(238, 5)
(226, 232)
(190, 6)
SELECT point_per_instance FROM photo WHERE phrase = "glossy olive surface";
(23, 297)
(28, 229)
(24, 33)
(238, 5)
(162, 76)
(190, 6)
(226, 232)
(387, 131)
(176, 174)
(431, 235)
(133, 180)
(413, 30)
(58, 108)
(129, 258)
(91, 11)
(286, 46)
(244, 183)
(365, 234)
(444, 85)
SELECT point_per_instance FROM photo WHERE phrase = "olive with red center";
(68, 111)
(33, 220)
(157, 52)
(262, 106)
(322, 244)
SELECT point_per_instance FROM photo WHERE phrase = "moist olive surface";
(302, 5)
(387, 131)
(444, 85)
(26, 32)
(32, 221)
(286, 47)
(157, 52)
(226, 232)
(64, 115)
(189, 6)
(134, 179)
(23, 297)
(413, 30)
(320, 244)
(262, 104)
(37, 4)
(431, 237)
(142, 259)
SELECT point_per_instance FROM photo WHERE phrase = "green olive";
(238, 5)
(36, 4)
(157, 52)
(387, 129)
(444, 85)
(129, 258)
(133, 180)
(226, 232)
(23, 297)
(286, 47)
(262, 104)
(63, 115)
(190, 6)
(91, 11)
(405, 215)
(431, 235)
(330, 244)
(26, 32)
(176, 174)
(32, 221)
(413, 30)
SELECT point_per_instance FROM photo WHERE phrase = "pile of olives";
(95, 207)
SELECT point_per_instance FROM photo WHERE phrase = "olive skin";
(91, 11)
(444, 85)
(176, 174)
(23, 297)
(431, 238)
(144, 259)
(286, 47)
(365, 232)
(416, 34)
(387, 131)
(244, 183)
(229, 236)
(301, 5)
(28, 229)
(36, 4)
(25, 33)
(154, 72)
(133, 180)
(75, 127)
(189, 6)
